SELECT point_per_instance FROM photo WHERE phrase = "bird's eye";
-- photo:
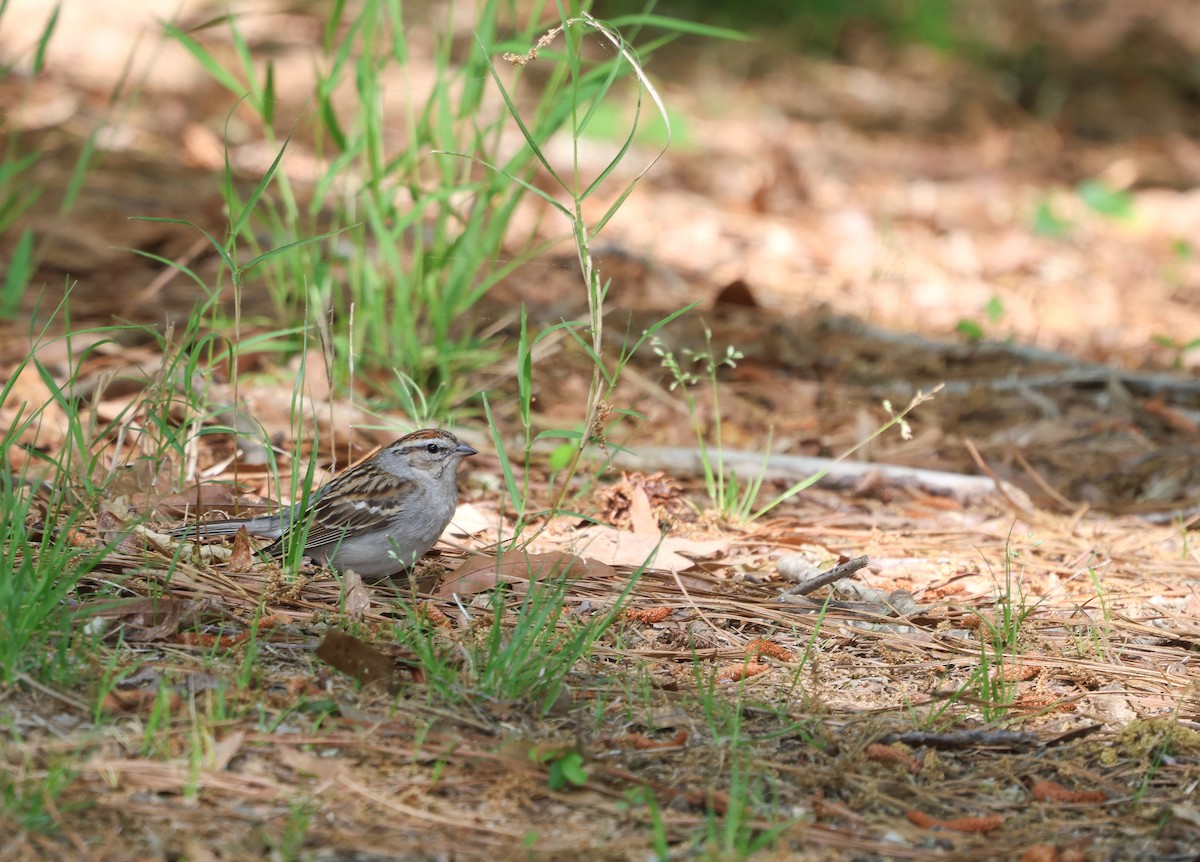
(433, 448)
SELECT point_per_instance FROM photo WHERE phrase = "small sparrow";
(376, 518)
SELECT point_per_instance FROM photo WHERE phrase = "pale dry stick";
(837, 573)
(461, 609)
(895, 419)
(192, 452)
(686, 459)
(217, 467)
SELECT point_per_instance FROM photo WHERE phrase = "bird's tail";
(264, 525)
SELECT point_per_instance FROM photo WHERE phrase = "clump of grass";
(16, 195)
(30, 798)
(46, 499)
(421, 236)
(521, 651)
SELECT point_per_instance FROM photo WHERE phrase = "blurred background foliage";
(1104, 69)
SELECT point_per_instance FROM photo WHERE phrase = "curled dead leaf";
(144, 620)
(112, 529)
(358, 597)
(241, 557)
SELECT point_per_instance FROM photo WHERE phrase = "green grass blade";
(209, 63)
(43, 42)
(220, 249)
(21, 265)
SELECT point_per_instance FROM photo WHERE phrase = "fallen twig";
(837, 573)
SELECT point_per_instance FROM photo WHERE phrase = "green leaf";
(567, 769)
(994, 309)
(1104, 200)
(1047, 223)
(268, 95)
(211, 65)
(560, 456)
(677, 25)
(969, 329)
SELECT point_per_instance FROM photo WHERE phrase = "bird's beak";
(462, 450)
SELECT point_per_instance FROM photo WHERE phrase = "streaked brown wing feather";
(344, 508)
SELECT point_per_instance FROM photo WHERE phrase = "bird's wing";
(343, 509)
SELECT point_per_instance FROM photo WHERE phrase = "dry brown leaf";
(360, 660)
(303, 763)
(111, 527)
(468, 521)
(670, 553)
(481, 573)
(241, 557)
(194, 501)
(144, 620)
(358, 597)
(641, 518)
(226, 750)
